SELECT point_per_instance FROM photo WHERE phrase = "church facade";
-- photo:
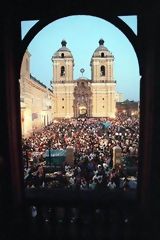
(95, 97)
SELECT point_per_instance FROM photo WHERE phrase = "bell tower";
(102, 64)
(63, 64)
(103, 84)
(63, 84)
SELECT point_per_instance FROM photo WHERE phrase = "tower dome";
(102, 50)
(63, 51)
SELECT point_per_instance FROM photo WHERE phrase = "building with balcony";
(128, 108)
(36, 100)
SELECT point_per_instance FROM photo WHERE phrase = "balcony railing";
(63, 214)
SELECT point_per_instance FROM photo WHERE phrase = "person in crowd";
(93, 166)
(111, 185)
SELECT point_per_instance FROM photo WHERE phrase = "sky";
(82, 34)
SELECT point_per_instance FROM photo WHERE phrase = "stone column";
(117, 154)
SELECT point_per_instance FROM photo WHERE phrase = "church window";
(62, 106)
(102, 54)
(62, 71)
(102, 70)
(62, 55)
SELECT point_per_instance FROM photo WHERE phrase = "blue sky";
(82, 34)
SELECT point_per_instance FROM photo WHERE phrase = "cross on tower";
(82, 71)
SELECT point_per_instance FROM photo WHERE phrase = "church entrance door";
(82, 111)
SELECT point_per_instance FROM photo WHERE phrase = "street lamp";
(49, 149)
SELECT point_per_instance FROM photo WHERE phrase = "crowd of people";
(93, 144)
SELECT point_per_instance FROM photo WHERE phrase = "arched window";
(62, 55)
(62, 71)
(102, 54)
(102, 70)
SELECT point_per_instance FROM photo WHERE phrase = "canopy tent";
(54, 156)
(106, 124)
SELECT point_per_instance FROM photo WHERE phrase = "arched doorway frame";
(116, 21)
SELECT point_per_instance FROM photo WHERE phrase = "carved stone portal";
(82, 99)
